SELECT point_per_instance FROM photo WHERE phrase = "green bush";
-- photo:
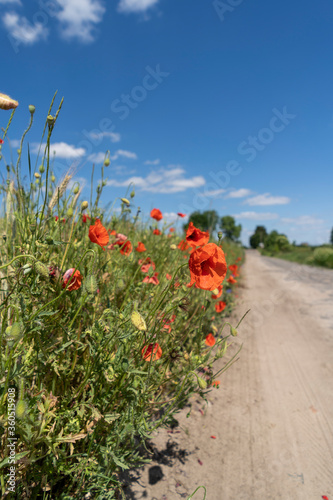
(324, 256)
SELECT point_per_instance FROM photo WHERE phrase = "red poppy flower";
(210, 340)
(156, 214)
(208, 267)
(238, 259)
(153, 351)
(195, 237)
(216, 383)
(126, 247)
(157, 231)
(183, 245)
(1, 141)
(168, 276)
(85, 217)
(219, 289)
(140, 247)
(74, 281)
(231, 280)
(153, 280)
(112, 232)
(98, 234)
(220, 306)
(181, 215)
(146, 263)
(171, 230)
(167, 327)
(234, 269)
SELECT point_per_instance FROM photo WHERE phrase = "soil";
(267, 432)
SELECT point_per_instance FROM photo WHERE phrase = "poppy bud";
(233, 331)
(70, 212)
(21, 409)
(50, 120)
(37, 175)
(138, 321)
(53, 178)
(106, 162)
(84, 205)
(132, 194)
(41, 269)
(90, 284)
(41, 169)
(219, 234)
(173, 247)
(125, 200)
(76, 189)
(32, 108)
(202, 383)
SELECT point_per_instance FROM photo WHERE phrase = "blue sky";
(223, 105)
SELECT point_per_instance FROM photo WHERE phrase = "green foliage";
(331, 237)
(229, 228)
(72, 351)
(276, 242)
(323, 256)
(206, 221)
(258, 236)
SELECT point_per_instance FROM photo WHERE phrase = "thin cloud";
(173, 217)
(256, 216)
(113, 136)
(97, 157)
(303, 220)
(61, 150)
(267, 199)
(239, 193)
(214, 193)
(164, 180)
(125, 154)
(78, 18)
(137, 6)
(17, 2)
(22, 30)
(153, 162)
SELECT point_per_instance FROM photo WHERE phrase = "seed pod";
(125, 200)
(233, 331)
(41, 169)
(7, 102)
(107, 162)
(138, 321)
(202, 383)
(50, 120)
(32, 108)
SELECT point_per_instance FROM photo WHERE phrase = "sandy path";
(273, 414)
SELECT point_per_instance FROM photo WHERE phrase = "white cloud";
(15, 143)
(128, 6)
(306, 220)
(172, 217)
(78, 18)
(97, 157)
(22, 30)
(113, 136)
(77, 180)
(163, 180)
(61, 149)
(256, 216)
(153, 162)
(125, 154)
(239, 193)
(266, 199)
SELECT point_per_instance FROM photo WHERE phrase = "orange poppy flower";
(168, 276)
(210, 340)
(156, 214)
(171, 230)
(220, 289)
(216, 384)
(208, 267)
(98, 234)
(85, 217)
(234, 269)
(74, 281)
(181, 215)
(146, 264)
(140, 247)
(231, 280)
(151, 351)
(112, 232)
(195, 237)
(126, 247)
(220, 306)
(157, 231)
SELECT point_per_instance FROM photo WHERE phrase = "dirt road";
(273, 414)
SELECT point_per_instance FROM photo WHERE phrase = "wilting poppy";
(231, 280)
(208, 267)
(219, 290)
(157, 231)
(98, 234)
(181, 215)
(153, 351)
(220, 306)
(140, 247)
(195, 237)
(156, 214)
(210, 340)
(74, 281)
(153, 280)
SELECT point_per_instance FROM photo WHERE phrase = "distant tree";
(206, 221)
(331, 238)
(258, 237)
(229, 228)
(276, 242)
